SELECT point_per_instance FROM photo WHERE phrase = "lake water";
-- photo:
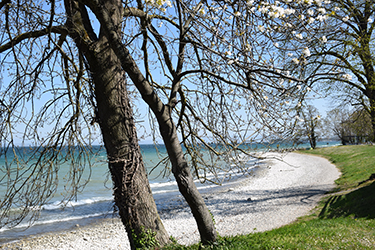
(96, 201)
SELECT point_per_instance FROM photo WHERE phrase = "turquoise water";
(95, 200)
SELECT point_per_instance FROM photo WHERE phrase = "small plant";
(173, 239)
(145, 240)
(212, 217)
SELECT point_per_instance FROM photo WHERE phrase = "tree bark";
(372, 116)
(132, 192)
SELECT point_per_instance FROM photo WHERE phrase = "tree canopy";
(337, 38)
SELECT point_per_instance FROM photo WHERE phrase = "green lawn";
(343, 220)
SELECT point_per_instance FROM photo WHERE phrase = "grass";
(343, 220)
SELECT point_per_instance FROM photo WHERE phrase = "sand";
(286, 187)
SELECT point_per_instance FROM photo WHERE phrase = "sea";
(95, 200)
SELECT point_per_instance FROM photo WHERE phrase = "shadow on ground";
(358, 203)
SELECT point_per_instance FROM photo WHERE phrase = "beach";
(285, 187)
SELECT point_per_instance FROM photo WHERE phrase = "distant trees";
(351, 127)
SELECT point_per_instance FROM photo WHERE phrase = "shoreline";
(280, 192)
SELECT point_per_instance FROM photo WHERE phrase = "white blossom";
(324, 39)
(288, 25)
(318, 2)
(264, 9)
(310, 12)
(249, 2)
(345, 19)
(169, 4)
(261, 28)
(299, 36)
(306, 52)
(347, 77)
(370, 20)
(295, 60)
(290, 54)
(274, 14)
(289, 11)
(202, 11)
(322, 10)
(321, 18)
(310, 20)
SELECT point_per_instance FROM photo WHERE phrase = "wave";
(24, 226)
(60, 205)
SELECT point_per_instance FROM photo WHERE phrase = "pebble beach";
(285, 187)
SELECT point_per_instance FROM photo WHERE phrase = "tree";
(33, 48)
(351, 126)
(222, 86)
(337, 38)
(309, 124)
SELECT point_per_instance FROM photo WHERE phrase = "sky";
(322, 105)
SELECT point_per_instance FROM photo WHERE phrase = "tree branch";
(33, 34)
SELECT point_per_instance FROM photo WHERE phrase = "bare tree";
(222, 87)
(207, 66)
(311, 123)
(38, 47)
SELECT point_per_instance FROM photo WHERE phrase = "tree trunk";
(372, 117)
(185, 181)
(132, 192)
(371, 109)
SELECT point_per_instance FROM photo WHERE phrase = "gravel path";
(283, 190)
